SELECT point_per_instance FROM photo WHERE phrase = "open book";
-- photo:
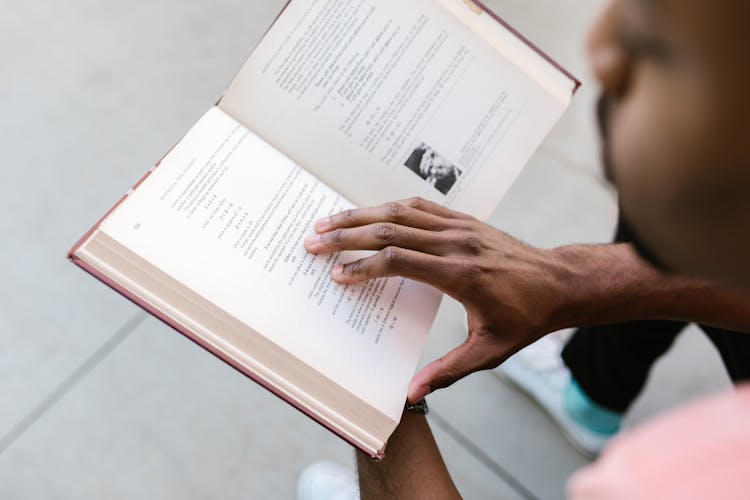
(342, 104)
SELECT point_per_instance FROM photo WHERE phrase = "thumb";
(465, 359)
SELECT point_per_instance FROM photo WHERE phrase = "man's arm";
(413, 467)
(611, 283)
(513, 293)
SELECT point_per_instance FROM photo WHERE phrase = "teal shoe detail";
(589, 414)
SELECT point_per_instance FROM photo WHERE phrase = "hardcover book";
(342, 104)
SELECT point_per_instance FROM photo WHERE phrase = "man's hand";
(510, 290)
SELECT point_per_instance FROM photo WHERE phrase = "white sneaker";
(327, 481)
(539, 371)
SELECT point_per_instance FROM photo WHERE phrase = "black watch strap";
(419, 406)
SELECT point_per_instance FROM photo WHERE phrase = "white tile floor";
(99, 401)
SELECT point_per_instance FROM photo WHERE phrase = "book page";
(226, 214)
(386, 99)
(512, 47)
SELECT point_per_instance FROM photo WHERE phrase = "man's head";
(434, 166)
(676, 107)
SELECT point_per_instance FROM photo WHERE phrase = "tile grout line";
(480, 455)
(508, 383)
(71, 380)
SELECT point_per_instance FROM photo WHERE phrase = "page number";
(137, 226)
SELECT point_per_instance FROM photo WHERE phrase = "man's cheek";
(653, 164)
(640, 167)
(628, 150)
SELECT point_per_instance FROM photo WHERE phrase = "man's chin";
(643, 250)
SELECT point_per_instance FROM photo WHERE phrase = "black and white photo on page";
(434, 168)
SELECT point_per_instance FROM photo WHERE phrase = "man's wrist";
(601, 284)
(584, 278)
(562, 271)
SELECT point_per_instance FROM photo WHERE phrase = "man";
(675, 98)
(434, 168)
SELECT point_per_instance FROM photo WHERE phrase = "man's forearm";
(611, 283)
(413, 467)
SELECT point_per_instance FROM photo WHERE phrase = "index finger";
(395, 212)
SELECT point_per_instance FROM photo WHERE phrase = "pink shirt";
(701, 451)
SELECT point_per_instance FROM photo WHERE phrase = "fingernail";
(323, 225)
(312, 243)
(421, 393)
